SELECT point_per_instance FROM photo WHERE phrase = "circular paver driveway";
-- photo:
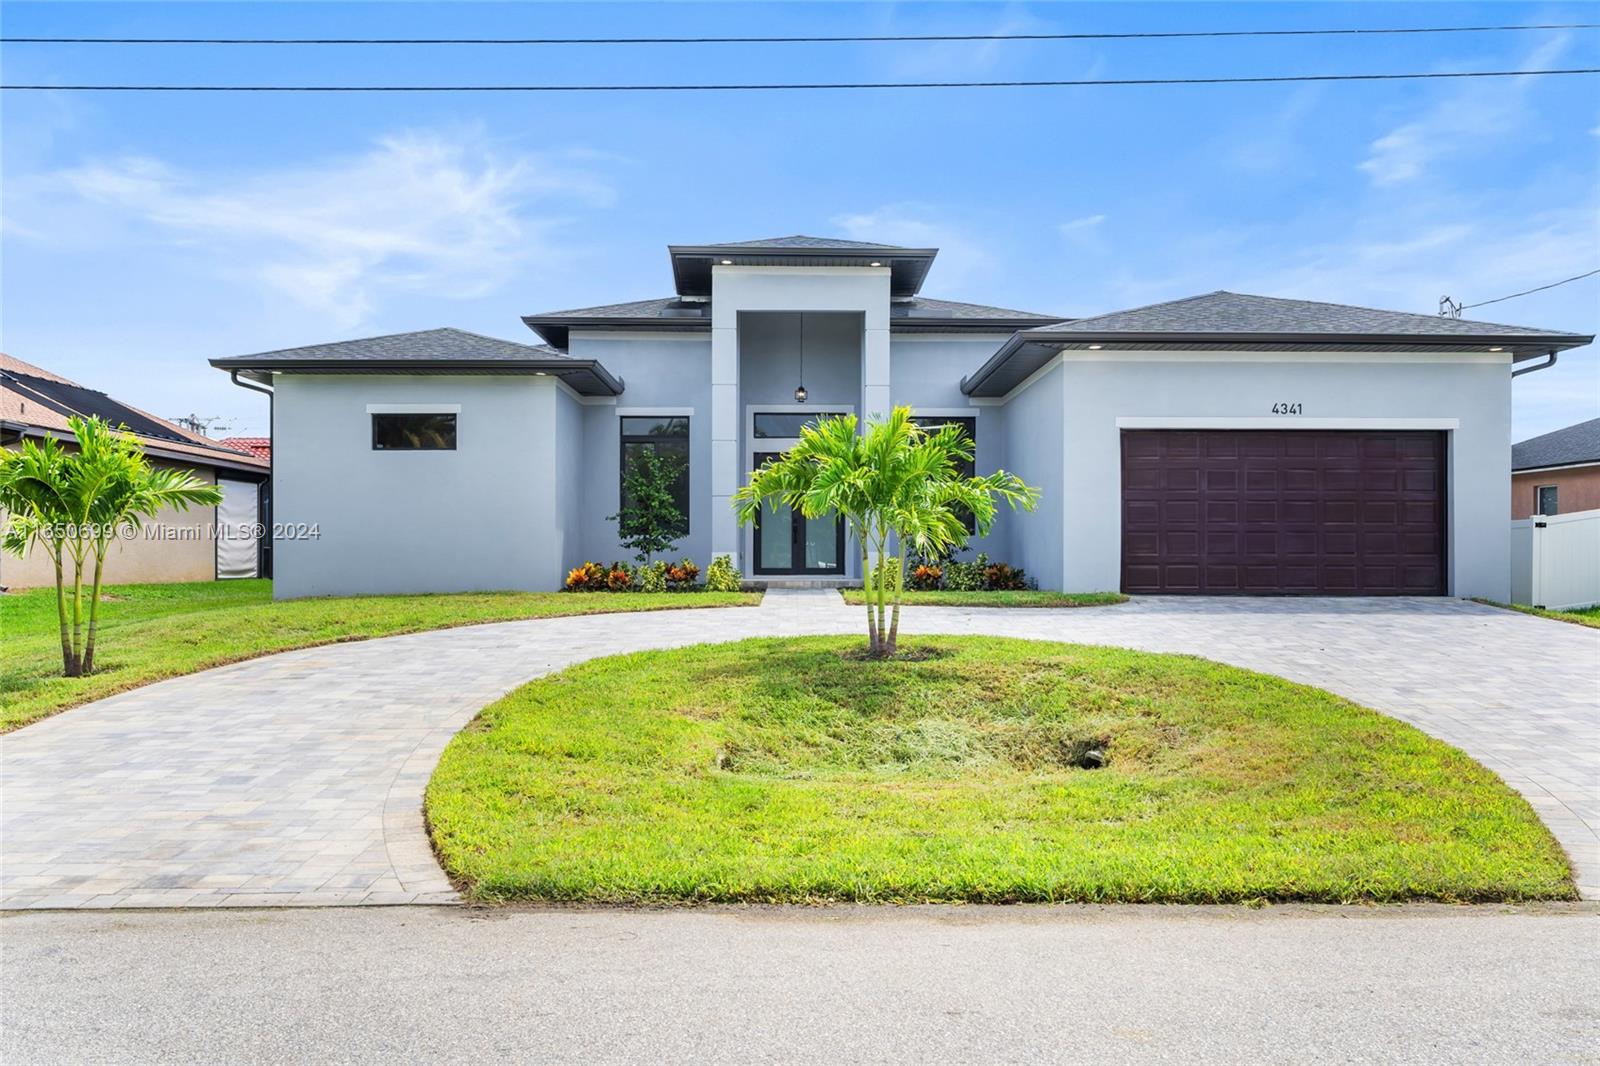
(298, 778)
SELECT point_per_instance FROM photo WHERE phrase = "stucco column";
(874, 372)
(724, 435)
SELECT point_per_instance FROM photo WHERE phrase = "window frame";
(624, 438)
(932, 424)
(1538, 501)
(375, 412)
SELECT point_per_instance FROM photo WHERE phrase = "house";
(1221, 444)
(175, 545)
(1557, 473)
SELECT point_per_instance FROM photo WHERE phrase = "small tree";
(896, 481)
(651, 523)
(73, 504)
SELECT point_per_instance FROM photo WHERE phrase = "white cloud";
(417, 212)
(1470, 116)
(1079, 225)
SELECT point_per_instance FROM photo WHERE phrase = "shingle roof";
(670, 312)
(1233, 312)
(423, 345)
(43, 402)
(801, 241)
(925, 307)
(1565, 447)
(443, 350)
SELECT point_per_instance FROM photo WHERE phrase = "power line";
(1529, 292)
(765, 86)
(841, 39)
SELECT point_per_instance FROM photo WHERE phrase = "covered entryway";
(1283, 512)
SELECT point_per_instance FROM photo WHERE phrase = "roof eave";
(261, 371)
(1534, 343)
(917, 262)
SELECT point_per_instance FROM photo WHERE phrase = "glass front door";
(790, 543)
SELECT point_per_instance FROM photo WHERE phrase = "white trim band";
(413, 408)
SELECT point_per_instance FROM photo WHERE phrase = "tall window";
(933, 424)
(1547, 499)
(414, 431)
(667, 437)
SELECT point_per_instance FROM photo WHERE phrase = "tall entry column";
(725, 474)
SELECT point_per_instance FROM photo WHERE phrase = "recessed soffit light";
(1095, 347)
(1497, 349)
(727, 262)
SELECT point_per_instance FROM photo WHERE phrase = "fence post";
(1536, 574)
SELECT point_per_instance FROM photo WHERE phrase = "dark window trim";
(453, 416)
(625, 438)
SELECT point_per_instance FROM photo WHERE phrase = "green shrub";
(653, 578)
(721, 576)
(966, 577)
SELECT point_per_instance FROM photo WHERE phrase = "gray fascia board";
(555, 367)
(697, 252)
(1521, 346)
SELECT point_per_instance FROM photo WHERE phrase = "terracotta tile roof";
(34, 397)
(260, 447)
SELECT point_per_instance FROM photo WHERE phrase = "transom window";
(664, 436)
(781, 425)
(413, 431)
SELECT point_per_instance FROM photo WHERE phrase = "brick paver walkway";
(298, 778)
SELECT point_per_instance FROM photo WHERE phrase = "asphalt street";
(766, 984)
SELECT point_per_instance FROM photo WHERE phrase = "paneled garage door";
(1259, 512)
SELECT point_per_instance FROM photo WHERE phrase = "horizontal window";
(776, 425)
(655, 428)
(413, 431)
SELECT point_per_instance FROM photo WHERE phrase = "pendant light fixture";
(800, 389)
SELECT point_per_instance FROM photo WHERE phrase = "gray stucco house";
(1221, 444)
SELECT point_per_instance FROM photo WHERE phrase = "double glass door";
(787, 542)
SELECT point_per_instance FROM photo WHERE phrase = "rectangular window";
(778, 425)
(667, 437)
(1547, 499)
(413, 432)
(933, 424)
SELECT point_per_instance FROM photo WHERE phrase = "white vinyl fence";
(1555, 560)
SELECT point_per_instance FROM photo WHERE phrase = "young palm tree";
(73, 504)
(896, 486)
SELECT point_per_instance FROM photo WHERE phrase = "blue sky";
(143, 234)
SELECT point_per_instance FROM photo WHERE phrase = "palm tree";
(896, 484)
(72, 504)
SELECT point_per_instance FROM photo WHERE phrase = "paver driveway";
(298, 778)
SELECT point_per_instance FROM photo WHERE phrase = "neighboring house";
(260, 447)
(176, 546)
(1222, 444)
(1557, 473)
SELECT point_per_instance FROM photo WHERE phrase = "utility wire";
(1528, 292)
(841, 39)
(763, 86)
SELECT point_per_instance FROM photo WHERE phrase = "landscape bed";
(151, 632)
(996, 598)
(793, 770)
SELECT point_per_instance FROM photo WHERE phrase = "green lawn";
(1018, 598)
(793, 770)
(149, 632)
(1583, 616)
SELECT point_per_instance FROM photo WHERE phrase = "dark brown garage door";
(1256, 512)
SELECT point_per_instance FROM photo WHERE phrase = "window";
(773, 425)
(667, 437)
(413, 431)
(1546, 497)
(934, 423)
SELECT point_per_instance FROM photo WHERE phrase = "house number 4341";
(1288, 409)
